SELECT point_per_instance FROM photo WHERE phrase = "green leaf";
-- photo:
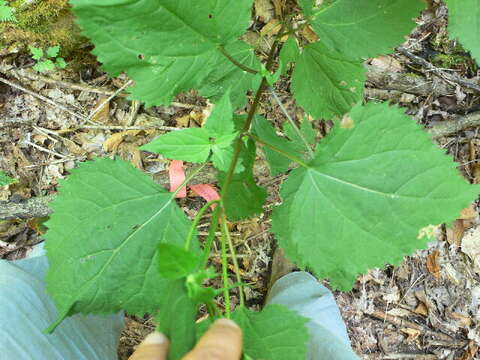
(102, 240)
(52, 51)
(289, 53)
(366, 196)
(174, 47)
(175, 262)
(196, 291)
(6, 12)
(307, 131)
(275, 333)
(226, 75)
(6, 180)
(244, 198)
(60, 62)
(464, 24)
(37, 53)
(348, 26)
(326, 83)
(177, 319)
(264, 130)
(43, 66)
(192, 145)
(220, 122)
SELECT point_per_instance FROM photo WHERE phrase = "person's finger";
(223, 341)
(153, 347)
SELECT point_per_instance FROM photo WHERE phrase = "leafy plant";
(48, 61)
(364, 196)
(6, 12)
(5, 180)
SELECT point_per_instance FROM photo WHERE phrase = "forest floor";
(426, 308)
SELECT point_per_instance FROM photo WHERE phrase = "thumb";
(223, 341)
(153, 347)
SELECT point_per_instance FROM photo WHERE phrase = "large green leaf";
(103, 236)
(366, 195)
(167, 46)
(275, 333)
(177, 319)
(326, 83)
(365, 28)
(464, 24)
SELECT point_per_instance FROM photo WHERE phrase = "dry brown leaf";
(103, 114)
(470, 352)
(432, 264)
(412, 333)
(271, 29)
(183, 121)
(309, 34)
(455, 234)
(386, 63)
(347, 122)
(421, 309)
(469, 213)
(464, 320)
(114, 141)
(264, 10)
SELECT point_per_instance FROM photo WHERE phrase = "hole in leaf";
(210, 16)
(141, 56)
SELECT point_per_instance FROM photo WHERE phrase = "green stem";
(226, 292)
(290, 120)
(235, 62)
(234, 258)
(197, 219)
(211, 236)
(281, 152)
(189, 178)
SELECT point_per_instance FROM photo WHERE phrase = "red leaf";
(177, 177)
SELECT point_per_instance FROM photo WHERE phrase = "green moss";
(41, 23)
(449, 61)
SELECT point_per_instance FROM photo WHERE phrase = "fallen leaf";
(386, 63)
(412, 333)
(102, 110)
(471, 246)
(114, 141)
(433, 265)
(347, 122)
(272, 28)
(464, 320)
(183, 121)
(455, 234)
(421, 309)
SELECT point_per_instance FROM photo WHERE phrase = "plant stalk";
(292, 122)
(281, 152)
(236, 268)
(197, 219)
(226, 285)
(211, 236)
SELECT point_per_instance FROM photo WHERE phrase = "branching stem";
(280, 151)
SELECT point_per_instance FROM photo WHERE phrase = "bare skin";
(223, 341)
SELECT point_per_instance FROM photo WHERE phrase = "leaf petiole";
(197, 219)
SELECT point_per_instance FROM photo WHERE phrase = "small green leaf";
(192, 145)
(464, 24)
(37, 53)
(244, 198)
(60, 62)
(45, 65)
(264, 130)
(176, 319)
(220, 122)
(6, 12)
(289, 53)
(275, 333)
(175, 262)
(341, 79)
(366, 196)
(6, 180)
(53, 51)
(196, 291)
(347, 26)
(103, 236)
